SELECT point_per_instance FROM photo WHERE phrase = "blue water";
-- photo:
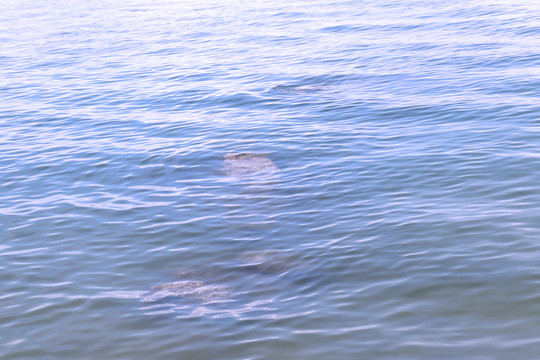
(398, 218)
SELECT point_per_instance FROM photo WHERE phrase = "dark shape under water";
(194, 290)
(270, 261)
(301, 89)
(245, 164)
(214, 284)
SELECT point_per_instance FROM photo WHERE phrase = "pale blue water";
(404, 212)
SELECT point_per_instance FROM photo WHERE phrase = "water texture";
(387, 206)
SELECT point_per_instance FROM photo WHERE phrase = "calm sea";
(396, 214)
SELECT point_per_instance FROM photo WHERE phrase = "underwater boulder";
(269, 261)
(301, 89)
(194, 290)
(246, 164)
(250, 273)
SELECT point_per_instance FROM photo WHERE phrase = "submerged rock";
(269, 261)
(301, 89)
(198, 284)
(195, 290)
(245, 164)
(248, 274)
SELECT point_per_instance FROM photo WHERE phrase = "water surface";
(406, 143)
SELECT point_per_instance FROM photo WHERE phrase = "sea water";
(397, 215)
